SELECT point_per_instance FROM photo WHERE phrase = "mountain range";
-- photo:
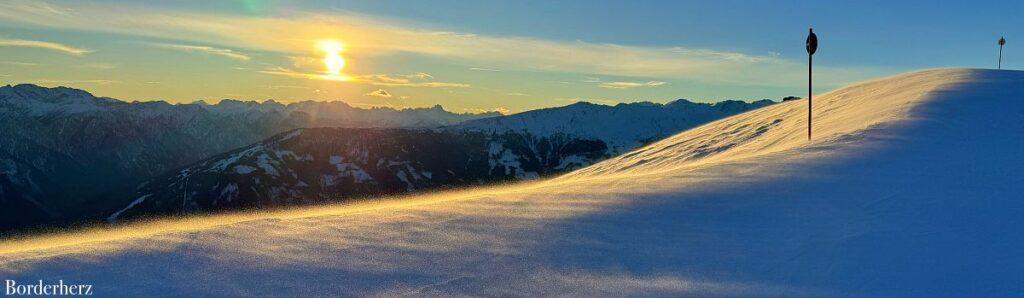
(66, 155)
(63, 149)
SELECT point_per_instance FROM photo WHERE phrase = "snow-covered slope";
(911, 187)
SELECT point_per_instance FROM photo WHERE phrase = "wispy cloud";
(97, 66)
(52, 46)
(288, 87)
(396, 79)
(624, 85)
(205, 50)
(281, 71)
(305, 62)
(20, 63)
(484, 69)
(379, 93)
(516, 94)
(420, 84)
(419, 75)
(409, 80)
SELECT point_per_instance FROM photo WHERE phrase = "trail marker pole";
(812, 46)
(1002, 41)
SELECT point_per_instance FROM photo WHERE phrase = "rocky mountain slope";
(336, 164)
(63, 148)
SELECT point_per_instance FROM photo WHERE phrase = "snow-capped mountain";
(334, 164)
(62, 148)
(623, 127)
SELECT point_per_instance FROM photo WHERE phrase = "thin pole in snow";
(1002, 41)
(812, 46)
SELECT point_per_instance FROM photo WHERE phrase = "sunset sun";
(333, 61)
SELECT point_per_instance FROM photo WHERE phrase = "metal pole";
(810, 94)
(1002, 41)
(812, 46)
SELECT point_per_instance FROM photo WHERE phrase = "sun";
(332, 56)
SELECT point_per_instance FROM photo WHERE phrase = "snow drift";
(911, 186)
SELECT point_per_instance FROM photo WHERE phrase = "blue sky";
(489, 55)
(909, 34)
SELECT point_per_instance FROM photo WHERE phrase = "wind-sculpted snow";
(837, 114)
(910, 187)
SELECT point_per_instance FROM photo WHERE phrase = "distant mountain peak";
(37, 90)
(681, 101)
(583, 104)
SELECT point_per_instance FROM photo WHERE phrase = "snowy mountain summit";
(911, 186)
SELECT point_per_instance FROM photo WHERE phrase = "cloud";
(419, 79)
(281, 71)
(20, 63)
(303, 62)
(398, 79)
(484, 69)
(368, 36)
(288, 87)
(409, 80)
(204, 49)
(379, 93)
(516, 94)
(420, 75)
(421, 84)
(387, 79)
(97, 66)
(624, 85)
(61, 48)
